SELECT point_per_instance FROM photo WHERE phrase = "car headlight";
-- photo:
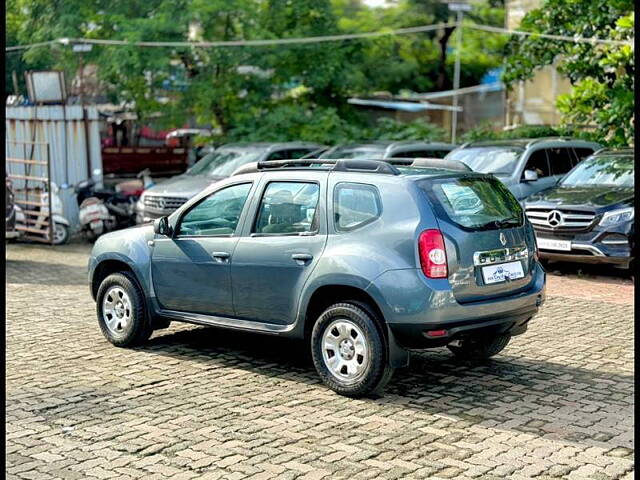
(617, 216)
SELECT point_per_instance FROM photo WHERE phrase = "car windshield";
(496, 160)
(355, 152)
(606, 170)
(222, 163)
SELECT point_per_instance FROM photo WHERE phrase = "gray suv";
(526, 166)
(165, 197)
(383, 150)
(362, 259)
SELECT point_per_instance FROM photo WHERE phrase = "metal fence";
(73, 138)
(32, 189)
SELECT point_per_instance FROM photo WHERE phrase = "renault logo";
(554, 218)
(503, 239)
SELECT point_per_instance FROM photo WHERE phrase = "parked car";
(363, 259)
(166, 196)
(589, 216)
(10, 211)
(526, 166)
(381, 150)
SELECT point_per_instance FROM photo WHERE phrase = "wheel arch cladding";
(327, 295)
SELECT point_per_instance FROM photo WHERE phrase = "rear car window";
(355, 205)
(474, 203)
(288, 208)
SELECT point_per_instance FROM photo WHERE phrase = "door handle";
(220, 256)
(302, 258)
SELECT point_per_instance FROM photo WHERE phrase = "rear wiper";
(501, 223)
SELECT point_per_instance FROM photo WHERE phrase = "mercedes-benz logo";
(161, 203)
(503, 239)
(554, 218)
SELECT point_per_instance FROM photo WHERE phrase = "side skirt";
(226, 322)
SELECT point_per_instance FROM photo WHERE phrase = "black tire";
(64, 231)
(481, 348)
(377, 371)
(138, 328)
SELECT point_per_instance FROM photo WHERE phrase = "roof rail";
(533, 141)
(441, 163)
(338, 165)
(624, 150)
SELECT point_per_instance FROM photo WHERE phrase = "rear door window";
(355, 205)
(474, 203)
(560, 160)
(288, 208)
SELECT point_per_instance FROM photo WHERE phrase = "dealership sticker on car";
(553, 244)
(502, 272)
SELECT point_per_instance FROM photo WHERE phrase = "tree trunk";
(443, 82)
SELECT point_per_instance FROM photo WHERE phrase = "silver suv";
(165, 197)
(526, 166)
(361, 259)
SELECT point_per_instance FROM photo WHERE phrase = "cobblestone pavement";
(203, 403)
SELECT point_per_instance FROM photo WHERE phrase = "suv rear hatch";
(489, 245)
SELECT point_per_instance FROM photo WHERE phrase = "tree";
(602, 75)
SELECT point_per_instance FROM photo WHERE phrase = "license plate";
(553, 244)
(502, 272)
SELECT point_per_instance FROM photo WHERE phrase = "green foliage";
(288, 122)
(602, 75)
(296, 91)
(489, 132)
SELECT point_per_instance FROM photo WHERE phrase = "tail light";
(433, 257)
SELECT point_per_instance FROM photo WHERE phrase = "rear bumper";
(413, 305)
(414, 336)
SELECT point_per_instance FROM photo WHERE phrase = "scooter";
(103, 211)
(61, 226)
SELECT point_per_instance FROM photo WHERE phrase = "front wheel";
(60, 233)
(121, 312)
(349, 350)
(480, 348)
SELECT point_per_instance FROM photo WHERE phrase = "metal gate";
(28, 165)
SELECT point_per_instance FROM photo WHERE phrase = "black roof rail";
(441, 163)
(338, 165)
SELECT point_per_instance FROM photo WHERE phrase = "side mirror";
(161, 226)
(530, 175)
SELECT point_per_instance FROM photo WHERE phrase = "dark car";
(589, 216)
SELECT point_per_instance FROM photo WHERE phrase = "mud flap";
(398, 356)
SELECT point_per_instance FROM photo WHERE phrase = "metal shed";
(74, 145)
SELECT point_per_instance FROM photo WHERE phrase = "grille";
(559, 220)
(162, 204)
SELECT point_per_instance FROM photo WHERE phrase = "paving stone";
(202, 403)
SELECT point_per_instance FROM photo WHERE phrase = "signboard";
(46, 87)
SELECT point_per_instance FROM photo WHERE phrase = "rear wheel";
(480, 348)
(349, 350)
(121, 312)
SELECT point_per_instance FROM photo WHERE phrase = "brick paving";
(205, 403)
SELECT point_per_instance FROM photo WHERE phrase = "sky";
(374, 3)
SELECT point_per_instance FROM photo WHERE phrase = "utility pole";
(459, 8)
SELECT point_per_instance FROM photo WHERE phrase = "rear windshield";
(499, 160)
(474, 203)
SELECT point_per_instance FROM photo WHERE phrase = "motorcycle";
(61, 226)
(104, 210)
